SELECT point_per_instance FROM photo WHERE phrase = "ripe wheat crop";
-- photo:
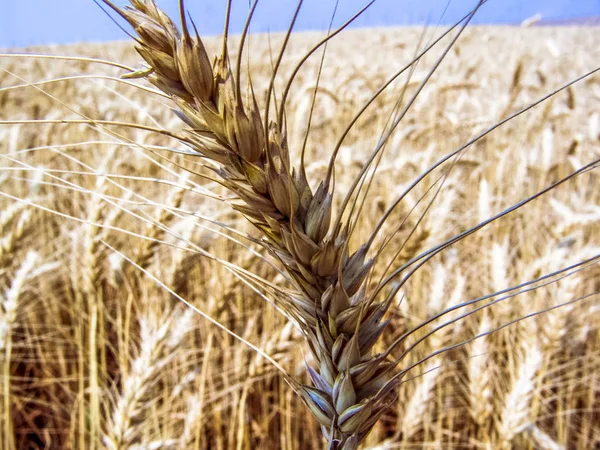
(298, 241)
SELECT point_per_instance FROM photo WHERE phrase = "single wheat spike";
(160, 334)
(419, 402)
(480, 371)
(156, 229)
(9, 302)
(10, 299)
(515, 414)
(13, 230)
(253, 161)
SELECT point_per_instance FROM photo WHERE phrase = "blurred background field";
(94, 353)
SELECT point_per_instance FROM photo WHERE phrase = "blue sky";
(33, 22)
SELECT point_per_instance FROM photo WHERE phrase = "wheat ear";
(8, 315)
(160, 333)
(253, 161)
(10, 300)
(515, 414)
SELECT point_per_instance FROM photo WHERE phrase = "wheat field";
(104, 233)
